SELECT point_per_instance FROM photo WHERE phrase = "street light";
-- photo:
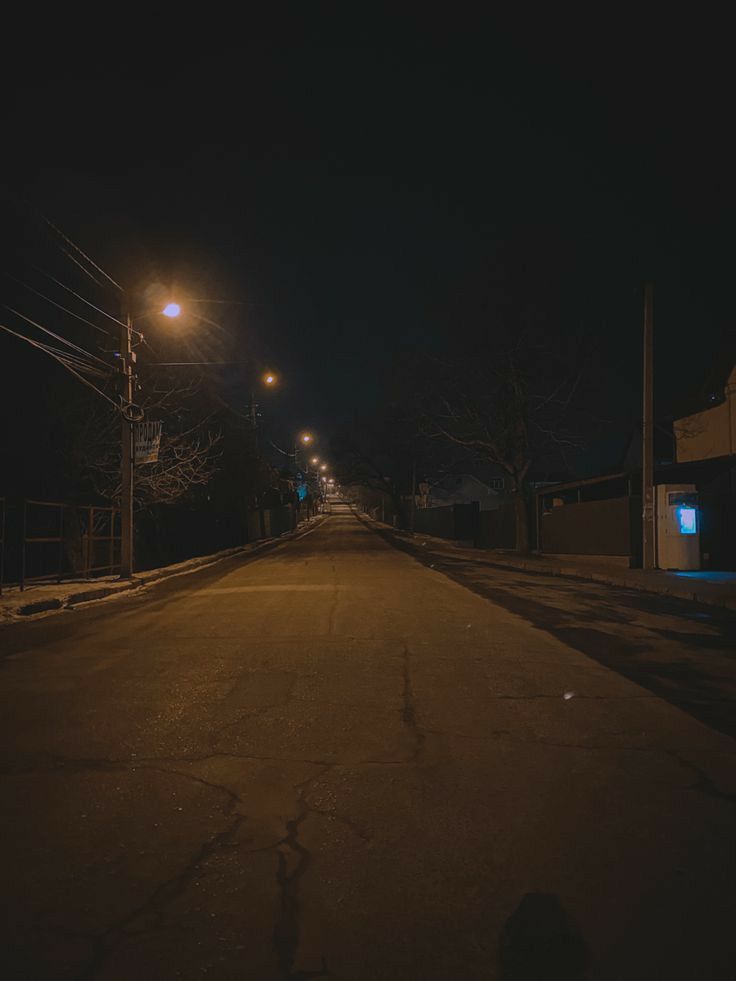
(314, 461)
(269, 379)
(131, 414)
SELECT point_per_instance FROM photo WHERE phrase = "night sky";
(346, 174)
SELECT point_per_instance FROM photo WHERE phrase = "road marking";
(272, 589)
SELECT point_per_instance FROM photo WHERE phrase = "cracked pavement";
(334, 761)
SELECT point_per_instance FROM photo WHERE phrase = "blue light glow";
(688, 519)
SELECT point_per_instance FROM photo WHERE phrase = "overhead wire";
(115, 320)
(86, 271)
(72, 359)
(57, 337)
(64, 357)
(284, 452)
(46, 348)
(58, 305)
(180, 364)
(83, 254)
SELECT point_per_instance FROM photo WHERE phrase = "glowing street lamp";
(306, 438)
(269, 378)
(314, 461)
(130, 415)
(323, 466)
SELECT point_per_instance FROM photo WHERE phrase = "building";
(463, 488)
(710, 434)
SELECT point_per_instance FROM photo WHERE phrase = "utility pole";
(647, 470)
(254, 420)
(127, 448)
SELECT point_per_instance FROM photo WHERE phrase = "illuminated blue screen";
(688, 519)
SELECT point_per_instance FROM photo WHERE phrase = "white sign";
(147, 441)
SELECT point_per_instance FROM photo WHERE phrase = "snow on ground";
(40, 599)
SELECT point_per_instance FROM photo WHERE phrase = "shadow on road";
(694, 670)
(539, 943)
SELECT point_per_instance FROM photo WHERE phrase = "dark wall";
(435, 521)
(466, 522)
(593, 528)
(497, 529)
(718, 530)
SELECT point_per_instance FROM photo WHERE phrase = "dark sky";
(346, 173)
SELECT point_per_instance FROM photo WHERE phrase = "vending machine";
(678, 527)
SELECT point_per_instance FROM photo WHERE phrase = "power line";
(84, 300)
(180, 364)
(63, 357)
(284, 452)
(83, 254)
(58, 337)
(60, 307)
(86, 271)
(61, 360)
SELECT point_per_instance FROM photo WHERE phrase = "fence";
(598, 516)
(466, 522)
(49, 541)
(435, 521)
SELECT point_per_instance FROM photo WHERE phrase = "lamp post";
(305, 439)
(127, 357)
(269, 379)
(131, 413)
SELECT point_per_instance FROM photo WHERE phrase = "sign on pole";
(147, 441)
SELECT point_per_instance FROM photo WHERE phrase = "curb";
(692, 595)
(87, 594)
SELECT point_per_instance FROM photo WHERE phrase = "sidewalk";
(48, 597)
(709, 588)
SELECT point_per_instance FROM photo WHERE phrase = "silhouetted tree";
(510, 406)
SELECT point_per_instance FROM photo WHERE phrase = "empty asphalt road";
(335, 761)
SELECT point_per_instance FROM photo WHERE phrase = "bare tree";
(187, 457)
(508, 407)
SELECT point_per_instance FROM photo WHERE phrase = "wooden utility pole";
(648, 527)
(127, 447)
(253, 411)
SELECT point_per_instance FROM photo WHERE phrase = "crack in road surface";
(408, 711)
(703, 784)
(304, 855)
(286, 930)
(163, 894)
